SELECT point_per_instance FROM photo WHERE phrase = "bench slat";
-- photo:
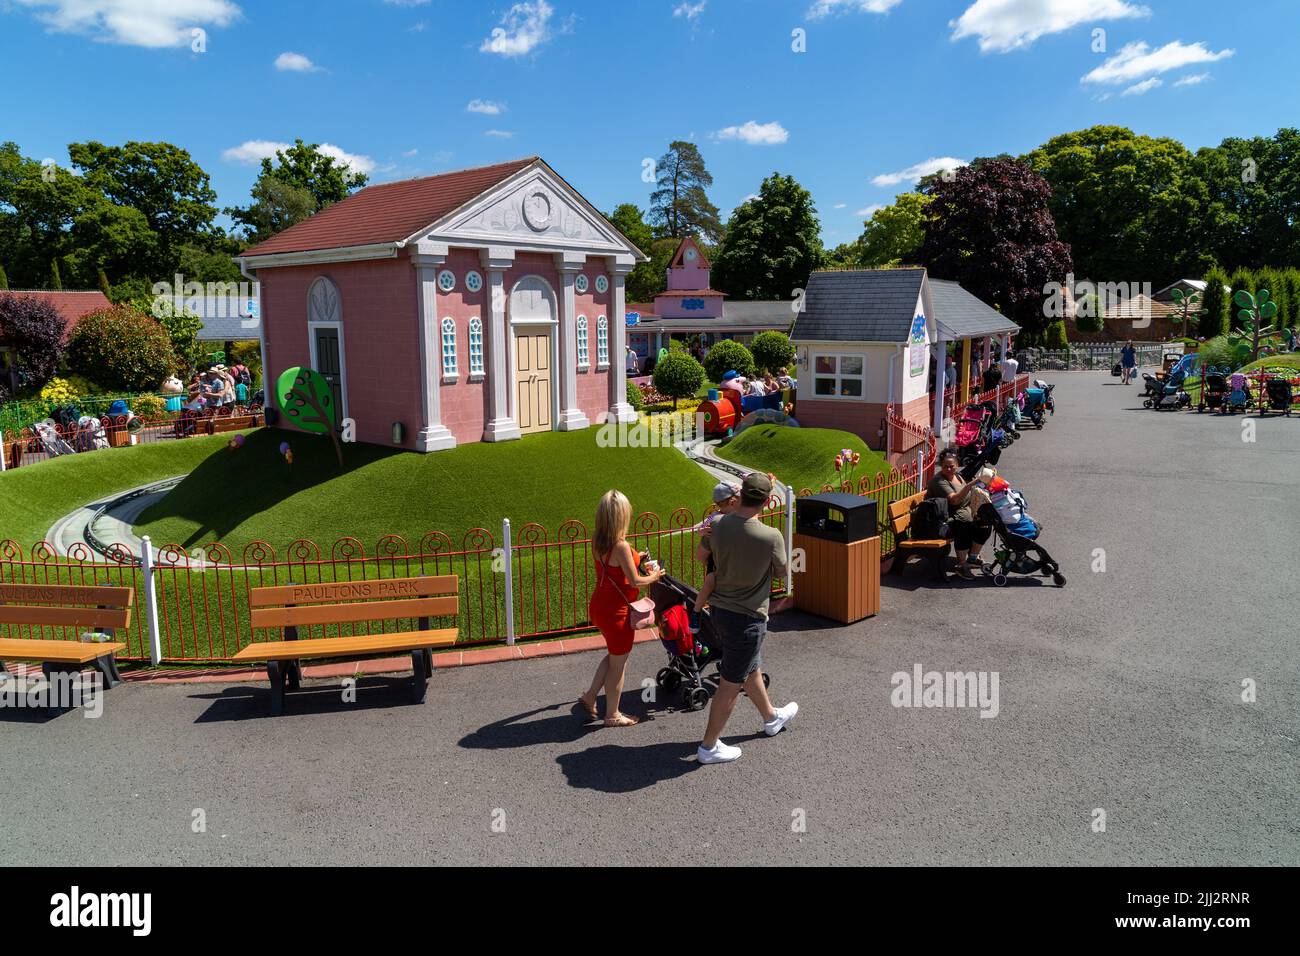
(346, 646)
(65, 616)
(67, 594)
(61, 652)
(352, 613)
(353, 590)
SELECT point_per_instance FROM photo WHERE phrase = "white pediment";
(533, 209)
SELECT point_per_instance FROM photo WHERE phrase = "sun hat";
(724, 490)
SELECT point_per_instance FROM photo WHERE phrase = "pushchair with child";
(689, 655)
(1279, 396)
(1016, 551)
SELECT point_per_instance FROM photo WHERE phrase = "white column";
(150, 601)
(619, 410)
(500, 426)
(940, 369)
(428, 257)
(569, 264)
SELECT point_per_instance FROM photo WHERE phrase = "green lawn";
(34, 496)
(801, 457)
(254, 494)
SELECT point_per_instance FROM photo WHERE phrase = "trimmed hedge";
(726, 356)
(122, 350)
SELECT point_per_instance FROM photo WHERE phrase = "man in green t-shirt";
(748, 555)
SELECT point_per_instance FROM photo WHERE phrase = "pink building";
(481, 305)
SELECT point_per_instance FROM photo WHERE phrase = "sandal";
(621, 720)
(589, 708)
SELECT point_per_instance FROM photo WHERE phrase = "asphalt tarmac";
(1121, 735)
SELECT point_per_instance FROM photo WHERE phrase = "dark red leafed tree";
(988, 227)
(33, 330)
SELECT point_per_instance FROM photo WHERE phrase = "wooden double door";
(533, 380)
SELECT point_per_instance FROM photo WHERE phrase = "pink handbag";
(641, 613)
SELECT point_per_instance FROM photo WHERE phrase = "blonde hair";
(613, 516)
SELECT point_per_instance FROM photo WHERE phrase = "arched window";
(475, 346)
(323, 303)
(584, 345)
(449, 369)
(602, 342)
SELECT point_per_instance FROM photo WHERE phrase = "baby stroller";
(689, 655)
(1017, 553)
(90, 434)
(1038, 403)
(1238, 397)
(1280, 396)
(1010, 420)
(1214, 389)
(1167, 393)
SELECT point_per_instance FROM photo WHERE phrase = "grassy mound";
(34, 496)
(802, 457)
(254, 494)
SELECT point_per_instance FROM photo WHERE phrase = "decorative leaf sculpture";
(306, 399)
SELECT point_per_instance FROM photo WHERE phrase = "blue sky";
(595, 87)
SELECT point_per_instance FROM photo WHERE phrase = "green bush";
(634, 395)
(1218, 352)
(1055, 337)
(726, 356)
(1214, 306)
(1241, 279)
(121, 349)
(678, 376)
(772, 351)
(1091, 315)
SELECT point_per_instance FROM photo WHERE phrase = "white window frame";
(451, 281)
(450, 362)
(476, 348)
(838, 377)
(584, 344)
(602, 342)
(581, 283)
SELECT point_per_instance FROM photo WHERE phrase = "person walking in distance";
(748, 555)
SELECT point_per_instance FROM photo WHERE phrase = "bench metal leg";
(106, 667)
(293, 674)
(276, 674)
(419, 675)
(58, 677)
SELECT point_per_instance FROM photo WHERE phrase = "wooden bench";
(230, 423)
(104, 609)
(292, 606)
(900, 520)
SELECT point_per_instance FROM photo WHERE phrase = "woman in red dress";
(618, 583)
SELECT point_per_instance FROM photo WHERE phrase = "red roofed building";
(71, 305)
(480, 305)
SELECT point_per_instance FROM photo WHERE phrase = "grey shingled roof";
(875, 305)
(961, 315)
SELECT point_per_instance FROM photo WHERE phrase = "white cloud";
(147, 23)
(253, 151)
(500, 133)
(410, 152)
(1143, 88)
(913, 173)
(524, 28)
(869, 211)
(295, 63)
(486, 107)
(841, 205)
(1005, 25)
(1137, 60)
(1193, 80)
(824, 8)
(691, 11)
(406, 3)
(756, 134)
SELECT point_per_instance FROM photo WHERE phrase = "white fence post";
(510, 583)
(789, 538)
(920, 469)
(2, 450)
(150, 601)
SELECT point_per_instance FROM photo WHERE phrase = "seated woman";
(964, 498)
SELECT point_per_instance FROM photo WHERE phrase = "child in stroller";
(689, 654)
(1280, 396)
(1016, 553)
(1238, 398)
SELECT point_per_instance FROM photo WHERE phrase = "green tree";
(772, 244)
(293, 185)
(1090, 314)
(121, 349)
(1252, 204)
(307, 401)
(56, 280)
(104, 287)
(894, 233)
(772, 351)
(727, 356)
(1055, 336)
(1290, 317)
(680, 206)
(643, 282)
(276, 206)
(1214, 318)
(1128, 206)
(4, 280)
(678, 376)
(1243, 280)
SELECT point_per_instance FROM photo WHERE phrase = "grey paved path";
(1120, 692)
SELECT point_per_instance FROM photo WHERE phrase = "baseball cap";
(756, 488)
(724, 490)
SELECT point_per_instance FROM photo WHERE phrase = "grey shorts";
(742, 643)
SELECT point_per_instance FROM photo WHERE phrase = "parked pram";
(1280, 396)
(51, 441)
(1214, 389)
(1016, 553)
(689, 655)
(1168, 393)
(90, 434)
(1038, 402)
(1238, 398)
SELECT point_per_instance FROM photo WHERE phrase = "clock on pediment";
(538, 210)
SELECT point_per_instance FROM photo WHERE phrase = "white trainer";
(783, 716)
(721, 753)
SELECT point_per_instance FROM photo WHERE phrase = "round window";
(580, 283)
(446, 280)
(473, 282)
(602, 284)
